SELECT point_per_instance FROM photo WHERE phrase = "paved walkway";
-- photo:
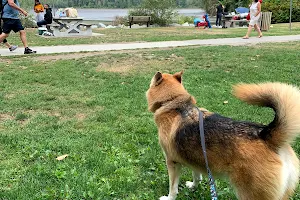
(149, 45)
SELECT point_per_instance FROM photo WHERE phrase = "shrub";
(281, 11)
(28, 22)
(183, 19)
(119, 20)
(162, 12)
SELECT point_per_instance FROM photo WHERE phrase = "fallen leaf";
(62, 157)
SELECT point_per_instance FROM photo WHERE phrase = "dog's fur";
(257, 159)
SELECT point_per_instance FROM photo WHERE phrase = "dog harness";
(212, 185)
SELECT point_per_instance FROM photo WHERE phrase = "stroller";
(205, 22)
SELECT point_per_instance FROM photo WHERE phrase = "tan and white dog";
(257, 159)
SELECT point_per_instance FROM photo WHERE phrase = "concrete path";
(148, 45)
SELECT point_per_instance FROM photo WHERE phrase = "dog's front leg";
(197, 177)
(174, 173)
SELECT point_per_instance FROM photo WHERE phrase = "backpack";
(1, 8)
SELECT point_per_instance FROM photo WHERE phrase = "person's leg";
(219, 18)
(19, 28)
(258, 30)
(248, 32)
(6, 43)
(41, 23)
(23, 38)
(3, 37)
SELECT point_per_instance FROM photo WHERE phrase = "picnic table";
(67, 26)
(228, 22)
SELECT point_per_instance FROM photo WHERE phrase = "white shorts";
(254, 20)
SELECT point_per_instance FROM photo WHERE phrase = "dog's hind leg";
(174, 173)
(289, 172)
(197, 177)
(258, 185)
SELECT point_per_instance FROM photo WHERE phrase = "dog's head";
(164, 88)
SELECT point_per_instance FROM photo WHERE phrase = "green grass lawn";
(150, 35)
(94, 109)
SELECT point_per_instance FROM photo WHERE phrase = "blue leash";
(212, 185)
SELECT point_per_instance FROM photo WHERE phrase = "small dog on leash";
(257, 159)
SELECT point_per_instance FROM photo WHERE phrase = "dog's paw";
(190, 185)
(164, 198)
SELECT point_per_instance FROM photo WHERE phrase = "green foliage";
(183, 19)
(105, 3)
(28, 22)
(119, 20)
(210, 5)
(281, 10)
(161, 11)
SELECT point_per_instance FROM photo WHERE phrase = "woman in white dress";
(255, 13)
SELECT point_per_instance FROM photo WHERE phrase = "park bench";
(139, 19)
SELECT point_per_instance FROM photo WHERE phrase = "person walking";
(255, 13)
(5, 42)
(48, 17)
(11, 22)
(220, 10)
(39, 10)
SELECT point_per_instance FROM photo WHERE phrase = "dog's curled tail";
(284, 99)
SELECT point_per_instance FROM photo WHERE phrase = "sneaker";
(13, 47)
(29, 51)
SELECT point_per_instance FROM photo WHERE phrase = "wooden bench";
(139, 19)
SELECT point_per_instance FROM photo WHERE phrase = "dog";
(257, 159)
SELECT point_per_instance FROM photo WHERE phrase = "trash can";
(266, 21)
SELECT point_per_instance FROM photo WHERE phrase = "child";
(38, 9)
(207, 20)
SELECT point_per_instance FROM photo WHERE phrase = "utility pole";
(291, 8)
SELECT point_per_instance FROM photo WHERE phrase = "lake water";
(110, 14)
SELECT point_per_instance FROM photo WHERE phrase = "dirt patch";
(9, 96)
(138, 62)
(5, 117)
(80, 116)
(6, 61)
(64, 56)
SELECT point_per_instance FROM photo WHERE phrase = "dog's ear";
(158, 78)
(178, 76)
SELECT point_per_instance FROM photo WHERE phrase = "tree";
(162, 12)
(210, 5)
(103, 3)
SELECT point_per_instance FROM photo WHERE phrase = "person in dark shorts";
(220, 10)
(48, 17)
(11, 22)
